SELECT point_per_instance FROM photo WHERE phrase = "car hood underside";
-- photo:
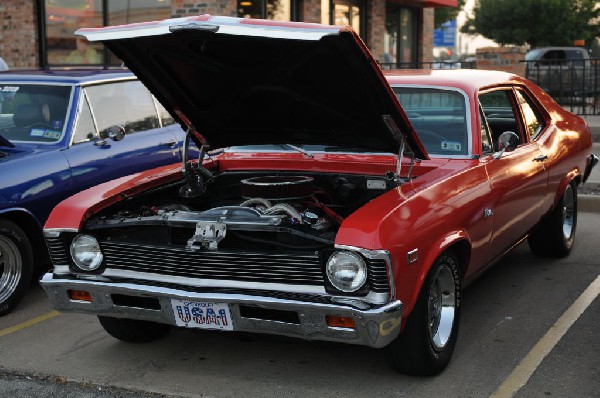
(241, 82)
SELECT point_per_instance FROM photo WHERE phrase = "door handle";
(170, 144)
(540, 158)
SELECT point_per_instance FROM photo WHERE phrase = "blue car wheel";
(16, 265)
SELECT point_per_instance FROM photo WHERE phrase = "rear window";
(33, 112)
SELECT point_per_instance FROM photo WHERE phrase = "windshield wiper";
(6, 143)
(302, 151)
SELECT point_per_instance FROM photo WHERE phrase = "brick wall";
(376, 27)
(310, 11)
(506, 59)
(426, 36)
(18, 33)
(181, 8)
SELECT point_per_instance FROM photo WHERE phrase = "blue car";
(62, 132)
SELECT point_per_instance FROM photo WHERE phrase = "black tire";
(425, 346)
(133, 330)
(16, 265)
(555, 234)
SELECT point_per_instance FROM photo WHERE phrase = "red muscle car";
(329, 202)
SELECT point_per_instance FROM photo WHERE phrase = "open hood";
(247, 81)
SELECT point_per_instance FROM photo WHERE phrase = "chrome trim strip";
(55, 232)
(413, 256)
(212, 283)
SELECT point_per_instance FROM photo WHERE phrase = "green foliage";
(535, 22)
(444, 14)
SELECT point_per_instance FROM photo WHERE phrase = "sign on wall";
(446, 35)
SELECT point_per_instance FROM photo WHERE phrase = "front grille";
(378, 276)
(58, 251)
(289, 268)
(300, 268)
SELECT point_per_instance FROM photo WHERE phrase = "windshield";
(33, 112)
(533, 55)
(439, 115)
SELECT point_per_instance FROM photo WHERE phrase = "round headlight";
(346, 271)
(85, 251)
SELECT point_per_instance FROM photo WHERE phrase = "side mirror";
(116, 133)
(507, 142)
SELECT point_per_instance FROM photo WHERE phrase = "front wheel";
(132, 330)
(16, 265)
(555, 235)
(425, 346)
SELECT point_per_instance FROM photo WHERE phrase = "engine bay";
(241, 210)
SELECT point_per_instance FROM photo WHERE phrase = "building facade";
(39, 33)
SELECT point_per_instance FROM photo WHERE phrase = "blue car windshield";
(33, 112)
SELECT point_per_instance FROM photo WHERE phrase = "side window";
(499, 111)
(128, 104)
(486, 139)
(534, 123)
(85, 129)
(165, 116)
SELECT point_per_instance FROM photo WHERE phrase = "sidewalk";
(594, 122)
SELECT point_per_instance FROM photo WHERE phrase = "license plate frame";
(202, 314)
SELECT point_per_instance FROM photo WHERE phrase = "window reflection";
(278, 10)
(127, 104)
(533, 122)
(400, 36)
(348, 12)
(64, 17)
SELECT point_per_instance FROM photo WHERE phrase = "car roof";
(72, 76)
(468, 80)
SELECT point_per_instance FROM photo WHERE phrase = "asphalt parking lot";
(527, 321)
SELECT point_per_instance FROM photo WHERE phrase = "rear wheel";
(425, 346)
(16, 265)
(555, 235)
(133, 330)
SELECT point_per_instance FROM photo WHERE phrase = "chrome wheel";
(568, 212)
(11, 267)
(441, 307)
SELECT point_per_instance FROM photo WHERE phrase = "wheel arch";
(32, 229)
(573, 175)
(457, 242)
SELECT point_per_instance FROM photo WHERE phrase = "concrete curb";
(588, 203)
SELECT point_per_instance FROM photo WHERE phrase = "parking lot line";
(521, 374)
(31, 322)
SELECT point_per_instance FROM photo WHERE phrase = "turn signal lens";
(340, 322)
(80, 295)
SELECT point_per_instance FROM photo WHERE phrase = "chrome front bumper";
(375, 327)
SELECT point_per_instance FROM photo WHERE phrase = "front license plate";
(202, 315)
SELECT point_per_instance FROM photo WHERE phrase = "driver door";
(148, 142)
(519, 179)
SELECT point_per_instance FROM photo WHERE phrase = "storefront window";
(345, 12)
(278, 10)
(64, 17)
(400, 44)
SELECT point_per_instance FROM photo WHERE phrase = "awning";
(440, 3)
